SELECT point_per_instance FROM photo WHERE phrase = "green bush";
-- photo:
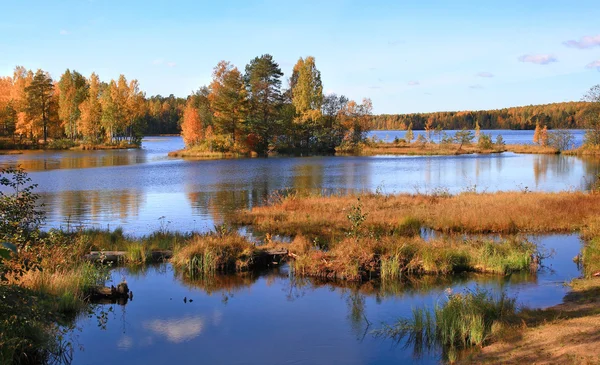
(61, 144)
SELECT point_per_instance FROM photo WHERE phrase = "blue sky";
(407, 56)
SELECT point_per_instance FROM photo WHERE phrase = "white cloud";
(539, 59)
(64, 32)
(595, 64)
(476, 86)
(485, 74)
(171, 64)
(584, 42)
(177, 330)
(125, 342)
(413, 83)
(158, 61)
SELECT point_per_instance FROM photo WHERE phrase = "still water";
(509, 136)
(275, 318)
(135, 188)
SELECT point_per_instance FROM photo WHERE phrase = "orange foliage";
(191, 127)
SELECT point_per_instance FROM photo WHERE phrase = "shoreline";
(400, 149)
(566, 333)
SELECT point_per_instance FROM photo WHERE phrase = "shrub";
(499, 141)
(485, 141)
(561, 139)
(61, 144)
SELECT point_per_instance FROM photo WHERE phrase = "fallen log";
(104, 294)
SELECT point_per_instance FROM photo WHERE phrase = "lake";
(135, 188)
(274, 317)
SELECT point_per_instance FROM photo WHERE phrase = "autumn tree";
(263, 83)
(40, 101)
(228, 101)
(73, 89)
(89, 125)
(332, 113)
(409, 136)
(429, 128)
(111, 112)
(536, 134)
(591, 117)
(544, 136)
(356, 120)
(7, 111)
(307, 97)
(134, 109)
(307, 90)
(191, 126)
(21, 80)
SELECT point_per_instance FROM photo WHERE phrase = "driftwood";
(104, 294)
(268, 258)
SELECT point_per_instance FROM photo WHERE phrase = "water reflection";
(176, 330)
(92, 208)
(40, 161)
(134, 188)
(280, 317)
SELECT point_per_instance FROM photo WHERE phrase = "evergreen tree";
(263, 82)
(40, 101)
(228, 101)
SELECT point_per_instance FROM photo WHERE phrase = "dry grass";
(211, 253)
(502, 212)
(423, 149)
(203, 154)
(563, 334)
(531, 149)
(584, 151)
(392, 258)
(70, 287)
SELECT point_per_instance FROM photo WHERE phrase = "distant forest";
(567, 115)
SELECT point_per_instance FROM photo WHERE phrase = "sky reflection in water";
(135, 188)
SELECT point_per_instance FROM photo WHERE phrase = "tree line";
(34, 108)
(253, 112)
(567, 115)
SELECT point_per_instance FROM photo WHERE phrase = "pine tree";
(228, 100)
(263, 82)
(40, 101)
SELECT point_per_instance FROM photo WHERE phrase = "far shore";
(82, 147)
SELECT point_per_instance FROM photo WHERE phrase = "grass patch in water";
(391, 257)
(325, 217)
(211, 253)
(461, 321)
